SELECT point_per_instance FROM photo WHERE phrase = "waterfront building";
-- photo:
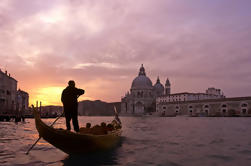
(237, 106)
(8, 92)
(142, 96)
(211, 93)
(211, 103)
(22, 101)
(12, 102)
(50, 111)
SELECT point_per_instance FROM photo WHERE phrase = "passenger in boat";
(86, 130)
(98, 130)
(88, 125)
(69, 99)
(103, 124)
(116, 124)
(110, 127)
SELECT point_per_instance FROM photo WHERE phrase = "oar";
(41, 137)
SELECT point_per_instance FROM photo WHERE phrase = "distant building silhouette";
(22, 101)
(11, 100)
(8, 90)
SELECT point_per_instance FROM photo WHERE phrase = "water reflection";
(97, 159)
(148, 141)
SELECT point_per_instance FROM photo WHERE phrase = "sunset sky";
(102, 43)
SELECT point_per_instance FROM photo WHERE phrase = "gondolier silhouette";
(69, 99)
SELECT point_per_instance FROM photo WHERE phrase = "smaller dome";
(158, 88)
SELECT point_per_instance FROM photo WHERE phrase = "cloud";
(200, 43)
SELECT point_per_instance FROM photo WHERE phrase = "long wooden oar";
(41, 137)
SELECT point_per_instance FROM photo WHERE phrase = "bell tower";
(167, 87)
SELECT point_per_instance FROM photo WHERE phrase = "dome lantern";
(142, 71)
(158, 81)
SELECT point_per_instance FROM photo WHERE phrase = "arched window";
(244, 111)
(244, 105)
(190, 106)
(164, 107)
(206, 106)
(138, 94)
(224, 106)
(177, 107)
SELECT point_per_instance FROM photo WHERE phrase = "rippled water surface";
(177, 141)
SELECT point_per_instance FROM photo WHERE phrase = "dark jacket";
(70, 96)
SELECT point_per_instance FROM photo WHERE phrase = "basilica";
(142, 96)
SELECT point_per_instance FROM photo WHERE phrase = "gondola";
(76, 143)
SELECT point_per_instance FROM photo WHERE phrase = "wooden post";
(37, 105)
(40, 109)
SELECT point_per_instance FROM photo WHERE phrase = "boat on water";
(77, 143)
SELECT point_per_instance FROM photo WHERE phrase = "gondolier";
(69, 99)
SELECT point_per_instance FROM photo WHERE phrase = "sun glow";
(48, 95)
(51, 96)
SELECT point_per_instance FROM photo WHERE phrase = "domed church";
(142, 96)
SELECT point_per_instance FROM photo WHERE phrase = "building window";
(206, 106)
(138, 95)
(190, 106)
(164, 107)
(2, 101)
(224, 106)
(244, 105)
(244, 111)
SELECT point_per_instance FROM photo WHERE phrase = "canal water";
(155, 141)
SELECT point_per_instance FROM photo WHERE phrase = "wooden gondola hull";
(74, 143)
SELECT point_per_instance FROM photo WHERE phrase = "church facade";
(145, 98)
(141, 99)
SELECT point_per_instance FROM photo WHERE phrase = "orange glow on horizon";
(50, 96)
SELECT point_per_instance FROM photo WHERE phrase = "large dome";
(142, 81)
